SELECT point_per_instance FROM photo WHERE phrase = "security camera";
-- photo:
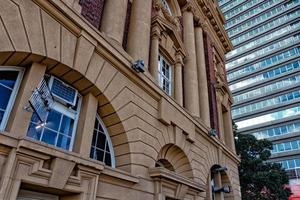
(213, 132)
(225, 189)
(139, 66)
(221, 169)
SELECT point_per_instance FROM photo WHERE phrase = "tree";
(260, 180)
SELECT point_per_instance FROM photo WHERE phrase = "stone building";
(82, 118)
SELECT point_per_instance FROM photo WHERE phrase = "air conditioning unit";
(62, 92)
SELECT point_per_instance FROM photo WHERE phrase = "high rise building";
(263, 72)
(115, 99)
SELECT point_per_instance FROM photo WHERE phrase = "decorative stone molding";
(25, 165)
(207, 8)
(180, 186)
(179, 58)
(158, 6)
(168, 115)
(155, 32)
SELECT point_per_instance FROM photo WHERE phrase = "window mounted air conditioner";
(62, 92)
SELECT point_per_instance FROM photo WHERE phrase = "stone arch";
(225, 181)
(32, 35)
(177, 158)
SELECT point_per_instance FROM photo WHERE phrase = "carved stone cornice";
(189, 7)
(216, 22)
(158, 6)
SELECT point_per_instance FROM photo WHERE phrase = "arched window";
(102, 148)
(10, 78)
(60, 125)
(166, 6)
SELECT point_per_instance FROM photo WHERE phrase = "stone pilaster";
(155, 37)
(139, 30)
(229, 137)
(113, 20)
(20, 118)
(178, 79)
(221, 123)
(202, 77)
(86, 125)
(218, 184)
(191, 92)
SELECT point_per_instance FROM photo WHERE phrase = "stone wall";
(144, 123)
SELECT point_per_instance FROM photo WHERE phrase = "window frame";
(64, 110)
(14, 93)
(109, 142)
(161, 77)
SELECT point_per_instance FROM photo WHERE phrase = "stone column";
(178, 79)
(221, 123)
(85, 127)
(218, 184)
(229, 137)
(139, 30)
(19, 118)
(113, 20)
(191, 92)
(202, 77)
(155, 37)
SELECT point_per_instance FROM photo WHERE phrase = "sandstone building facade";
(78, 122)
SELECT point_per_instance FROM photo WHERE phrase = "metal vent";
(63, 92)
(41, 100)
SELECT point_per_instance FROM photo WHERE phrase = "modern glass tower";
(263, 72)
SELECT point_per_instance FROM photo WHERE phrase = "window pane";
(53, 120)
(94, 138)
(287, 146)
(99, 154)
(280, 147)
(291, 164)
(66, 126)
(1, 115)
(63, 141)
(100, 145)
(295, 145)
(4, 97)
(49, 136)
(92, 154)
(107, 159)
(101, 141)
(8, 78)
(284, 165)
(297, 162)
(107, 147)
(33, 132)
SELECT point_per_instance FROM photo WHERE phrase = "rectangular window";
(164, 75)
(60, 125)
(10, 78)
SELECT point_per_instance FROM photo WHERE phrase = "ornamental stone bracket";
(32, 164)
(169, 184)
